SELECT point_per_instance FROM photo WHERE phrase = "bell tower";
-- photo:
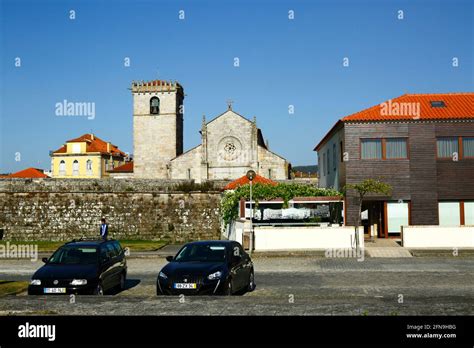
(157, 127)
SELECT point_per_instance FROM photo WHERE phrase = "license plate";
(54, 290)
(185, 285)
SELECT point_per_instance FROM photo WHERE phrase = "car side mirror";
(44, 259)
(169, 258)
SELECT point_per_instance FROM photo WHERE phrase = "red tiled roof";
(155, 83)
(28, 173)
(93, 144)
(457, 106)
(125, 168)
(244, 180)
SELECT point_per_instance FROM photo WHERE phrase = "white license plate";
(185, 285)
(54, 290)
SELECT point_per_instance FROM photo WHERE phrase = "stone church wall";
(268, 160)
(188, 160)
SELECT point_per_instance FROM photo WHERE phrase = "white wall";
(305, 238)
(438, 237)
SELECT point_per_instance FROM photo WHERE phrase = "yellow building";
(85, 157)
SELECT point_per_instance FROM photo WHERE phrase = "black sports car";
(206, 268)
(81, 267)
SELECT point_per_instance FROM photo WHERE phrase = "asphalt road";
(285, 286)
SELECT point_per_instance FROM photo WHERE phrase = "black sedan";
(81, 267)
(206, 268)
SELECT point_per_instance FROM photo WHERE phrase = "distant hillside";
(306, 169)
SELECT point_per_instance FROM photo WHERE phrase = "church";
(230, 143)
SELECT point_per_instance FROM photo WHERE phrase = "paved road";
(285, 286)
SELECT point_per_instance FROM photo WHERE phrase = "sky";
(47, 57)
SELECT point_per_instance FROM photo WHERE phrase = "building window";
(75, 168)
(341, 151)
(371, 148)
(468, 147)
(397, 216)
(89, 167)
(469, 213)
(334, 156)
(189, 173)
(328, 159)
(269, 173)
(324, 164)
(62, 168)
(449, 213)
(437, 104)
(76, 148)
(447, 147)
(154, 106)
(396, 148)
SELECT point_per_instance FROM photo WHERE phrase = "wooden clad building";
(420, 144)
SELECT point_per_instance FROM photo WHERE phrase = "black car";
(82, 267)
(206, 268)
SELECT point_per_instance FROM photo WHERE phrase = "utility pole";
(251, 175)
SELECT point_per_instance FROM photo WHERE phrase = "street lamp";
(251, 175)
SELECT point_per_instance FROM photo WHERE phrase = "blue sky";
(282, 62)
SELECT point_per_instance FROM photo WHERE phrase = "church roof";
(230, 109)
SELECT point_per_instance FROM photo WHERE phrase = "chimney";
(108, 147)
(92, 136)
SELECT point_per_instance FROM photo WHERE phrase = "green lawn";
(11, 287)
(142, 245)
(133, 245)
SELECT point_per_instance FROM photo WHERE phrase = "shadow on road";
(129, 283)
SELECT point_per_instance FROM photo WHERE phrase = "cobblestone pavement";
(285, 286)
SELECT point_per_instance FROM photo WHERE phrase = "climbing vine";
(230, 200)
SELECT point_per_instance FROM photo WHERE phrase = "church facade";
(230, 143)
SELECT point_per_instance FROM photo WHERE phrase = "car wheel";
(99, 290)
(122, 281)
(251, 285)
(228, 288)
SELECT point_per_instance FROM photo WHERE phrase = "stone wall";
(55, 209)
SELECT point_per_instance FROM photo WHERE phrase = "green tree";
(363, 188)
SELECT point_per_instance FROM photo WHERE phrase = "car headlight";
(79, 282)
(162, 275)
(215, 275)
(35, 282)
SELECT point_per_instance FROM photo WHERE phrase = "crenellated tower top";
(156, 86)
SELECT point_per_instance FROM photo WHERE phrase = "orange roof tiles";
(28, 173)
(125, 168)
(93, 144)
(457, 106)
(244, 180)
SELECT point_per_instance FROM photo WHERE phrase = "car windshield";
(74, 255)
(202, 253)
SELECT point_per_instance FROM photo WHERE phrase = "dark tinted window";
(202, 252)
(73, 255)
(237, 249)
(118, 247)
(111, 251)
